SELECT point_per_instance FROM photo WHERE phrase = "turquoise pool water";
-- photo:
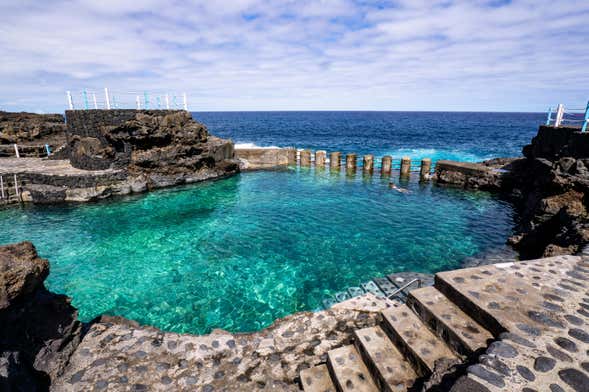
(241, 252)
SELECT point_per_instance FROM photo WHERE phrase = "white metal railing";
(568, 116)
(105, 99)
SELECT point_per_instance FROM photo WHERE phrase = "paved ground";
(45, 166)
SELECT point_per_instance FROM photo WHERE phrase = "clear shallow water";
(241, 252)
(437, 135)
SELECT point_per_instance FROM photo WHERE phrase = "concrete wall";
(87, 123)
(265, 158)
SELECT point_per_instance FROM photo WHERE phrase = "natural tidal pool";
(240, 252)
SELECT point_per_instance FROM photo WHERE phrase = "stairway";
(429, 333)
(443, 329)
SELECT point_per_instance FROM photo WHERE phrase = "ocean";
(459, 136)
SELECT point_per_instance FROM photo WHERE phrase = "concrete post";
(185, 99)
(16, 150)
(167, 102)
(405, 166)
(351, 162)
(2, 186)
(306, 158)
(138, 102)
(426, 166)
(386, 165)
(335, 160)
(320, 158)
(291, 154)
(368, 163)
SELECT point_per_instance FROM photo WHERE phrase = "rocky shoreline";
(549, 187)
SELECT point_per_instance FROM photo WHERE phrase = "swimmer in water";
(401, 190)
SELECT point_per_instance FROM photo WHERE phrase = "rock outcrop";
(117, 152)
(549, 186)
(23, 128)
(39, 330)
(158, 149)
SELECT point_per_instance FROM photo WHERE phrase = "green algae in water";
(238, 253)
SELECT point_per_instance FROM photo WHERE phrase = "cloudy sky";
(297, 55)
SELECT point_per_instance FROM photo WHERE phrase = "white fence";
(568, 116)
(106, 99)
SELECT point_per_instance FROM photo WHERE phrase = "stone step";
(349, 371)
(493, 297)
(317, 379)
(458, 330)
(415, 340)
(389, 368)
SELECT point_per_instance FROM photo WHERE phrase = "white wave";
(251, 145)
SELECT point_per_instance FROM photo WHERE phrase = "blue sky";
(297, 55)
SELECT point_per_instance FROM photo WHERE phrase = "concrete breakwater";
(268, 158)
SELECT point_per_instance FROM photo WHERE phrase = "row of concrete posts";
(368, 163)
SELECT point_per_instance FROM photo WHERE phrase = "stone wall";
(265, 158)
(23, 128)
(88, 123)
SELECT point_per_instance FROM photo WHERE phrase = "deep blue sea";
(240, 252)
(437, 135)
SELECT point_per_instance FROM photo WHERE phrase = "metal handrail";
(400, 289)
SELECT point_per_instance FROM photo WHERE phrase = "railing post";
(185, 101)
(159, 102)
(47, 149)
(2, 187)
(559, 115)
(95, 102)
(107, 99)
(146, 97)
(70, 101)
(549, 116)
(138, 103)
(16, 150)
(16, 187)
(85, 94)
(584, 128)
(167, 102)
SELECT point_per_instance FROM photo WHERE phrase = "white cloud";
(328, 54)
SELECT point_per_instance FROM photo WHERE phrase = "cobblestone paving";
(543, 306)
(118, 357)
